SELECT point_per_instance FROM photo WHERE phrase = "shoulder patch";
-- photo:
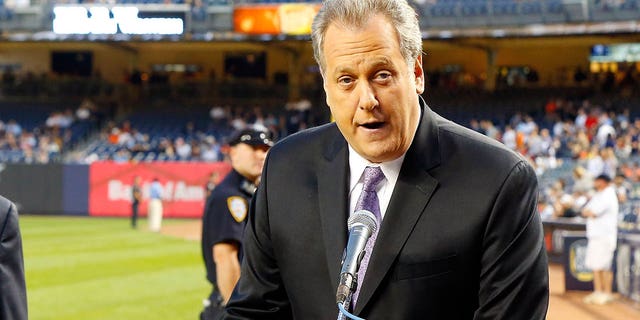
(238, 208)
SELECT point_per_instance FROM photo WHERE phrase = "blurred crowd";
(204, 142)
(42, 143)
(594, 140)
(598, 135)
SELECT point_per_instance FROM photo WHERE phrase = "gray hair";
(355, 13)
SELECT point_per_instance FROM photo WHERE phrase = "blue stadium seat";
(218, 2)
(554, 6)
(504, 7)
(474, 8)
(150, 156)
(531, 8)
(138, 156)
(199, 13)
(629, 5)
(447, 9)
(15, 156)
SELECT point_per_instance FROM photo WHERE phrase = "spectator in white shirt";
(602, 234)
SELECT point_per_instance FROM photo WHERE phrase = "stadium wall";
(104, 188)
(472, 60)
(555, 62)
(75, 185)
(33, 188)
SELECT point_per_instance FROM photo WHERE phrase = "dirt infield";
(563, 305)
(190, 230)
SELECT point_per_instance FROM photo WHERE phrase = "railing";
(216, 15)
(470, 13)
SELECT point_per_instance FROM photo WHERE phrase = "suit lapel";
(332, 195)
(408, 201)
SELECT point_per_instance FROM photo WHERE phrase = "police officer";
(225, 214)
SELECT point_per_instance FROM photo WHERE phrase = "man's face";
(248, 160)
(371, 91)
(600, 184)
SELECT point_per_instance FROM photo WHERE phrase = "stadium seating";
(168, 122)
(31, 118)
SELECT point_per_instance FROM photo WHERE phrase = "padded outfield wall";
(104, 188)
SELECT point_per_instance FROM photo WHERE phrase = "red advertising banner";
(183, 187)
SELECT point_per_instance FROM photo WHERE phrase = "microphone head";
(365, 218)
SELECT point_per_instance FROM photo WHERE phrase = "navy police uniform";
(223, 221)
(225, 216)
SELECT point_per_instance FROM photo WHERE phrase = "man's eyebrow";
(374, 63)
(343, 69)
(381, 62)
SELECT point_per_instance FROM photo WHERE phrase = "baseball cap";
(604, 177)
(252, 137)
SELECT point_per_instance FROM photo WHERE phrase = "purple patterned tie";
(368, 200)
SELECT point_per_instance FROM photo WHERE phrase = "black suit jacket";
(460, 239)
(13, 294)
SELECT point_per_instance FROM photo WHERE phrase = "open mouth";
(373, 125)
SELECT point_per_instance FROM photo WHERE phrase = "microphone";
(362, 224)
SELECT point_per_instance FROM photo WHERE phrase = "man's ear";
(418, 73)
(324, 86)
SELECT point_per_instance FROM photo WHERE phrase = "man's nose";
(367, 100)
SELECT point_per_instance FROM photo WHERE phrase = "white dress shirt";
(391, 170)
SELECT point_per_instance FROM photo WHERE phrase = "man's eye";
(345, 80)
(383, 75)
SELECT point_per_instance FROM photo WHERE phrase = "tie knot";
(372, 177)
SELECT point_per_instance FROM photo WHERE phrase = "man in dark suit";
(13, 296)
(459, 236)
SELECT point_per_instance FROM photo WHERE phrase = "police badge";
(238, 208)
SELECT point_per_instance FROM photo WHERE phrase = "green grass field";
(100, 268)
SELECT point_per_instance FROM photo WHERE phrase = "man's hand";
(588, 213)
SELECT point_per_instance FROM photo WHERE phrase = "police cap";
(252, 137)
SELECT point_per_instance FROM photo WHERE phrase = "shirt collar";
(357, 164)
